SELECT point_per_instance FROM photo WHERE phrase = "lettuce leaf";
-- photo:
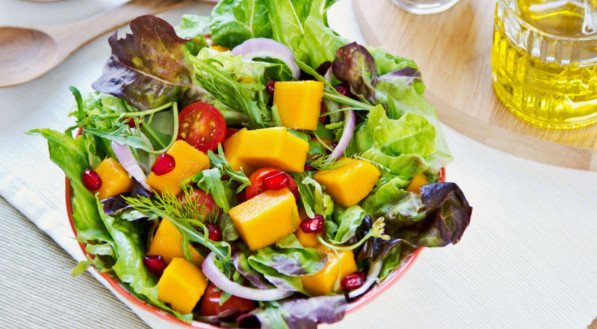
(235, 21)
(148, 68)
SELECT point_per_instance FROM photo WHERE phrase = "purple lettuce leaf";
(148, 67)
(355, 66)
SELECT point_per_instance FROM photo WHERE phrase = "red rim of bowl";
(352, 307)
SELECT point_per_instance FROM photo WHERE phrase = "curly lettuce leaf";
(148, 68)
(235, 21)
(70, 154)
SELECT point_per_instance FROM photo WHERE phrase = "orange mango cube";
(189, 161)
(275, 147)
(336, 269)
(182, 284)
(115, 179)
(308, 240)
(167, 242)
(416, 183)
(299, 103)
(266, 218)
(350, 182)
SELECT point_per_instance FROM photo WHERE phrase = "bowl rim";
(353, 306)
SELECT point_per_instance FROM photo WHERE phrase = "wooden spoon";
(28, 53)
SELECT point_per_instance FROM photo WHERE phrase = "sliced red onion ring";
(349, 125)
(213, 273)
(264, 48)
(374, 270)
(129, 163)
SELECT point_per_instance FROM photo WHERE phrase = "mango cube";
(416, 183)
(275, 147)
(350, 182)
(167, 242)
(308, 240)
(266, 218)
(336, 269)
(299, 103)
(182, 284)
(115, 179)
(189, 161)
(231, 148)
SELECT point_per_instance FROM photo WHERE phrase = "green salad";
(253, 168)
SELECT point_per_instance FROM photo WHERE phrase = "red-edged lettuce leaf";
(148, 67)
(355, 66)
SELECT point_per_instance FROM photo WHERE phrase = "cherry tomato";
(269, 178)
(202, 126)
(204, 200)
(210, 303)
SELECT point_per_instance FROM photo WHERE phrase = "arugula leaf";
(235, 21)
(148, 68)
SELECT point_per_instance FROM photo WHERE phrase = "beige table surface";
(528, 259)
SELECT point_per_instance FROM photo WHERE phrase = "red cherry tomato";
(210, 303)
(204, 200)
(202, 126)
(269, 178)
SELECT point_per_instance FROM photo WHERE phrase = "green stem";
(345, 100)
(345, 248)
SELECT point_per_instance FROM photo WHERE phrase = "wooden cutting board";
(453, 52)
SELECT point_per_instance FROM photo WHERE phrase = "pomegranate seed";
(343, 89)
(353, 281)
(313, 225)
(308, 167)
(164, 164)
(270, 87)
(215, 234)
(155, 264)
(132, 123)
(276, 181)
(91, 179)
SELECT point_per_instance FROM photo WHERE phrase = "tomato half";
(210, 303)
(269, 178)
(202, 126)
(205, 202)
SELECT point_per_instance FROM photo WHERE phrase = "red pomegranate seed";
(270, 86)
(276, 181)
(91, 179)
(215, 234)
(164, 164)
(353, 281)
(155, 264)
(342, 89)
(308, 167)
(313, 225)
(132, 123)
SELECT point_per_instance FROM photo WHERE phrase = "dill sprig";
(187, 217)
(322, 162)
(376, 231)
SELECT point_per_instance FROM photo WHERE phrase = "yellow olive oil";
(544, 61)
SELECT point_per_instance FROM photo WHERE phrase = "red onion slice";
(129, 163)
(264, 48)
(349, 125)
(213, 273)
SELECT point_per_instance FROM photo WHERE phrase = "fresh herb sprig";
(376, 231)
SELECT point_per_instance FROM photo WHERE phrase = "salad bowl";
(298, 180)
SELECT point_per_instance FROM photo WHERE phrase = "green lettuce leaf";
(348, 220)
(235, 21)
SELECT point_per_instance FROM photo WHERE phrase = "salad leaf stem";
(377, 231)
(341, 99)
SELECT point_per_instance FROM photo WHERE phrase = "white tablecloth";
(528, 259)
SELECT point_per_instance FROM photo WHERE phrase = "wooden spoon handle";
(71, 36)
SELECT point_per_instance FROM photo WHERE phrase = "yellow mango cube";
(308, 240)
(182, 284)
(416, 183)
(167, 242)
(299, 103)
(189, 161)
(275, 147)
(231, 147)
(336, 269)
(350, 182)
(115, 179)
(266, 218)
